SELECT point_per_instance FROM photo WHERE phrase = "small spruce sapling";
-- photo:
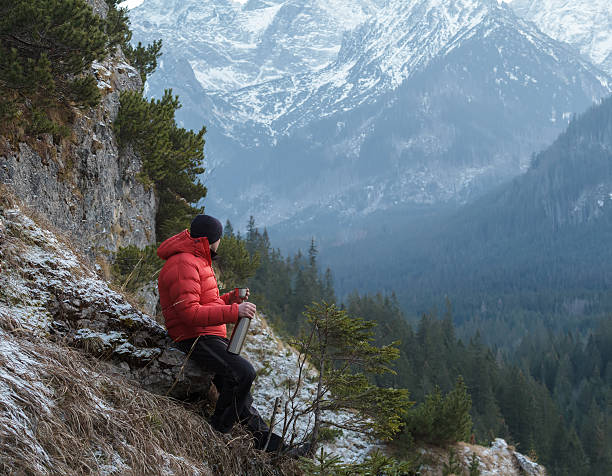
(375, 463)
(442, 420)
(340, 347)
(453, 467)
(474, 465)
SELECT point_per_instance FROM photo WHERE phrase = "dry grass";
(74, 417)
(7, 198)
(136, 300)
(5, 147)
(17, 130)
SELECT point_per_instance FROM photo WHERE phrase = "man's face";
(215, 245)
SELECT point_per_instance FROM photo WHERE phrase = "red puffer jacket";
(188, 291)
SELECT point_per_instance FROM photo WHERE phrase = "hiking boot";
(275, 443)
(297, 451)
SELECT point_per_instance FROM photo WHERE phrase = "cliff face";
(84, 185)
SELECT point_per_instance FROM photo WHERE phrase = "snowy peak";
(584, 24)
(231, 46)
(398, 40)
(405, 35)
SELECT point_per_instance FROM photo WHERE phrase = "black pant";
(233, 378)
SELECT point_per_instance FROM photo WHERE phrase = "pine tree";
(144, 58)
(456, 421)
(323, 464)
(236, 265)
(251, 235)
(46, 50)
(118, 26)
(453, 466)
(312, 254)
(228, 230)
(172, 157)
(442, 420)
(474, 465)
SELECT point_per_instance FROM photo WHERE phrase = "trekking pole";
(276, 405)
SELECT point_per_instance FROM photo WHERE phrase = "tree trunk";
(317, 411)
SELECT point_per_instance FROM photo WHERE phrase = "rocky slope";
(48, 290)
(498, 459)
(85, 186)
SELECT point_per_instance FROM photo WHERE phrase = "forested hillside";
(526, 269)
(532, 255)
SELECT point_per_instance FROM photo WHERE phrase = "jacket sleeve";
(227, 297)
(185, 294)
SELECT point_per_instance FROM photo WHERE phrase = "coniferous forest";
(550, 396)
(529, 256)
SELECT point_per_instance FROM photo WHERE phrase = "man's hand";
(247, 309)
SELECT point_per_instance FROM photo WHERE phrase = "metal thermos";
(241, 329)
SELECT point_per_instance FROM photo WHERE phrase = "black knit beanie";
(205, 225)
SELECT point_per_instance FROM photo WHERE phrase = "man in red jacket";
(196, 317)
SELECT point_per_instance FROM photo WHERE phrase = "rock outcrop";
(50, 290)
(496, 460)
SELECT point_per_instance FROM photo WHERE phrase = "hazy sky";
(129, 4)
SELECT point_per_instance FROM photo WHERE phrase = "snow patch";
(276, 362)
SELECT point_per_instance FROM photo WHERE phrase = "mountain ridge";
(379, 36)
(336, 117)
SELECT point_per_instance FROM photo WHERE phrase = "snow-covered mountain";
(359, 107)
(231, 45)
(584, 24)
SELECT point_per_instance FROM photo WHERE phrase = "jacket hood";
(184, 243)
